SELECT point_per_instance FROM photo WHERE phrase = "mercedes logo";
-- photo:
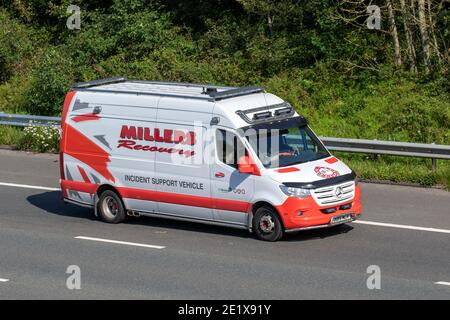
(338, 192)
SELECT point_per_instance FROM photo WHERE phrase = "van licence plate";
(342, 218)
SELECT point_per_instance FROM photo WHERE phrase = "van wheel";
(267, 224)
(110, 207)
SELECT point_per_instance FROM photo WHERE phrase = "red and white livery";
(238, 157)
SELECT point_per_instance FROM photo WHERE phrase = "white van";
(237, 157)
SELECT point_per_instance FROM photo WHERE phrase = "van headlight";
(296, 192)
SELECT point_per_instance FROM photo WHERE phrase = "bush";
(16, 45)
(386, 108)
(50, 82)
(40, 139)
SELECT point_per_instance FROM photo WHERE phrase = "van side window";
(229, 148)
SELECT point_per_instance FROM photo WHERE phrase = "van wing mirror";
(246, 165)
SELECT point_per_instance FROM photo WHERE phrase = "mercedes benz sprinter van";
(233, 156)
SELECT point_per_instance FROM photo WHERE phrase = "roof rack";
(209, 92)
(177, 83)
(99, 82)
(236, 92)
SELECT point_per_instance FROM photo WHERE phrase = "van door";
(232, 191)
(183, 184)
(182, 177)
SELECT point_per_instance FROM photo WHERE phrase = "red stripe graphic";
(67, 101)
(88, 152)
(286, 170)
(231, 205)
(184, 199)
(166, 197)
(86, 117)
(66, 105)
(79, 186)
(84, 175)
(331, 160)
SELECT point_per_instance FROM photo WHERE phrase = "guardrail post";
(434, 164)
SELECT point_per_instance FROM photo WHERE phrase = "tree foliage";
(318, 54)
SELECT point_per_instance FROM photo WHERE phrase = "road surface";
(405, 231)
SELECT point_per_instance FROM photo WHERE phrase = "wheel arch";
(256, 206)
(100, 190)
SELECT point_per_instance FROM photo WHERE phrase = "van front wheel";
(110, 207)
(267, 224)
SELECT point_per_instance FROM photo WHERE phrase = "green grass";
(10, 136)
(398, 169)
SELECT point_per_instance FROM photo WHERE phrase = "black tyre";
(267, 225)
(110, 207)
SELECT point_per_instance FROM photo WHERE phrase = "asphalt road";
(38, 243)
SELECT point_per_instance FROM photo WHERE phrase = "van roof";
(161, 88)
(238, 106)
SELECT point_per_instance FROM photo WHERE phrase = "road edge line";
(120, 242)
(27, 186)
(401, 226)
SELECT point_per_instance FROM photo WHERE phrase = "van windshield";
(286, 145)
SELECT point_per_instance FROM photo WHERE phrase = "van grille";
(336, 194)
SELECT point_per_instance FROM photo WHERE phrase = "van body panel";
(156, 145)
(180, 174)
(309, 171)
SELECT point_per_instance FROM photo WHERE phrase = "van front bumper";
(305, 214)
(321, 226)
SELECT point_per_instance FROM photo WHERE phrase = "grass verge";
(36, 139)
(10, 136)
(398, 169)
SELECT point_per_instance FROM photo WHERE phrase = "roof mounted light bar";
(94, 83)
(283, 111)
(272, 112)
(262, 115)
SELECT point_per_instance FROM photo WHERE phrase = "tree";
(424, 34)
(394, 34)
(271, 11)
(411, 50)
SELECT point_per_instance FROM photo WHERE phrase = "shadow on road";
(212, 229)
(318, 233)
(51, 202)
(189, 226)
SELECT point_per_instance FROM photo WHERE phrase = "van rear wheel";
(110, 207)
(267, 224)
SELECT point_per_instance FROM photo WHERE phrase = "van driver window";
(229, 147)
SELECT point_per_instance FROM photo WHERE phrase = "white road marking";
(27, 186)
(401, 226)
(121, 242)
(443, 283)
(4, 280)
